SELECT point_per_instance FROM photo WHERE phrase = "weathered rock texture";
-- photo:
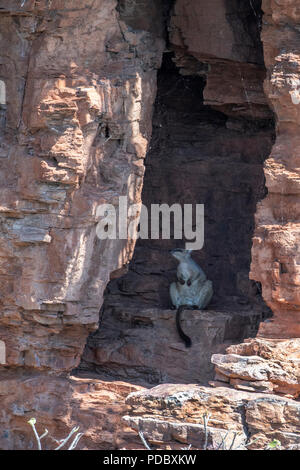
(144, 345)
(275, 254)
(221, 39)
(111, 413)
(59, 404)
(199, 155)
(206, 150)
(77, 87)
(80, 85)
(174, 415)
(262, 365)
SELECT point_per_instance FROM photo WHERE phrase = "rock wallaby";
(191, 291)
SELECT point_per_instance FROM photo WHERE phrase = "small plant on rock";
(61, 443)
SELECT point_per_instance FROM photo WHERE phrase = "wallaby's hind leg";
(205, 295)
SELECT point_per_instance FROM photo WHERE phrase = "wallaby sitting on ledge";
(192, 290)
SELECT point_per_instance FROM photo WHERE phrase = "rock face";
(78, 81)
(174, 415)
(220, 30)
(275, 253)
(59, 404)
(211, 155)
(204, 157)
(222, 40)
(78, 121)
(205, 150)
(144, 345)
(262, 365)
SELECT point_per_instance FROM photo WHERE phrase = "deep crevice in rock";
(210, 155)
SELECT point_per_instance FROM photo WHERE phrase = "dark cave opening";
(198, 155)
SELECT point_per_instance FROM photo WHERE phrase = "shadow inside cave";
(198, 154)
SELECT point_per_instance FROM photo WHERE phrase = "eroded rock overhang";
(77, 107)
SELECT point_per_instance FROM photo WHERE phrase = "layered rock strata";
(262, 365)
(275, 253)
(59, 404)
(175, 415)
(79, 87)
(212, 130)
(143, 345)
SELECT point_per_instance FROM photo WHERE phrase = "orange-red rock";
(275, 253)
(174, 415)
(59, 404)
(260, 364)
(77, 86)
(79, 96)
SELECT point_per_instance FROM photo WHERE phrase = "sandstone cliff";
(88, 89)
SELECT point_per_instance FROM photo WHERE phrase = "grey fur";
(192, 288)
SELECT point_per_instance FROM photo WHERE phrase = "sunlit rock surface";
(78, 80)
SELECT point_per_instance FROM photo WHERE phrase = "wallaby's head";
(181, 254)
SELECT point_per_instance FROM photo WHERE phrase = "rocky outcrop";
(144, 345)
(208, 146)
(275, 253)
(79, 97)
(221, 40)
(77, 87)
(175, 415)
(59, 404)
(110, 414)
(262, 365)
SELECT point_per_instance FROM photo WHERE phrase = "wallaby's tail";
(183, 336)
